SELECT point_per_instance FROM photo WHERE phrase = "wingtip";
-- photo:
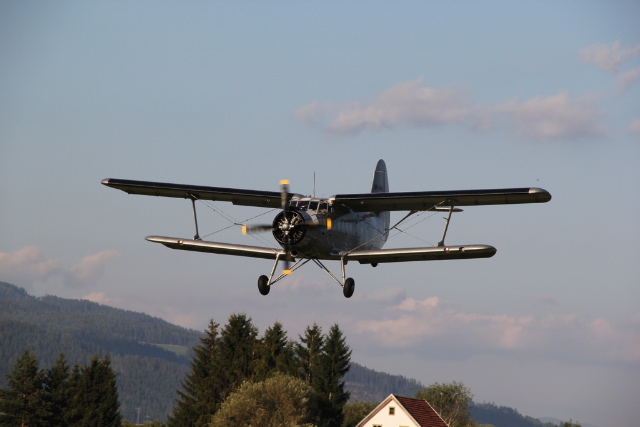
(542, 194)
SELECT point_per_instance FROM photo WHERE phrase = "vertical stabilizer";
(380, 182)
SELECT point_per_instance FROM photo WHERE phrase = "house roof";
(418, 409)
(421, 411)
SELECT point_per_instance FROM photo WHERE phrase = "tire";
(263, 285)
(349, 287)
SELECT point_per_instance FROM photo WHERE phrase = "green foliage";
(59, 392)
(275, 353)
(237, 352)
(147, 374)
(24, 403)
(450, 400)
(86, 396)
(201, 392)
(308, 352)
(570, 423)
(355, 411)
(278, 401)
(334, 363)
(97, 395)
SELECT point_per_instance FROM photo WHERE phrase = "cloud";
(553, 117)
(410, 104)
(608, 57)
(29, 265)
(26, 265)
(404, 104)
(92, 265)
(430, 324)
(625, 80)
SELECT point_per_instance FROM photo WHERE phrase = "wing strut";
(195, 217)
(446, 226)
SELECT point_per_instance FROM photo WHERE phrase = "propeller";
(288, 227)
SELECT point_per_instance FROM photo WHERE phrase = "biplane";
(343, 227)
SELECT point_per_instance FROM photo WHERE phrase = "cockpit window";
(303, 205)
(323, 206)
(313, 205)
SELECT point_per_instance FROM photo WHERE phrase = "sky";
(452, 95)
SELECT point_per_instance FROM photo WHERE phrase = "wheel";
(349, 287)
(263, 285)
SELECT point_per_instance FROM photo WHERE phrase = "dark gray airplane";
(344, 227)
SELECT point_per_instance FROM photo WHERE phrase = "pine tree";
(308, 352)
(25, 402)
(329, 384)
(275, 354)
(56, 384)
(97, 395)
(237, 352)
(201, 393)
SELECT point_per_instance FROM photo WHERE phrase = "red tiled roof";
(421, 411)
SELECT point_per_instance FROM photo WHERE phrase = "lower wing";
(434, 253)
(216, 248)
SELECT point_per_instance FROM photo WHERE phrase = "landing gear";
(349, 287)
(263, 285)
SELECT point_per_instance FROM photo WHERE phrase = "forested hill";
(148, 375)
(137, 344)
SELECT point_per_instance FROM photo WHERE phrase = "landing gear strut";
(347, 284)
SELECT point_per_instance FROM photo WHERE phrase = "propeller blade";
(256, 228)
(284, 193)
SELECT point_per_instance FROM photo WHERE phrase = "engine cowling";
(289, 229)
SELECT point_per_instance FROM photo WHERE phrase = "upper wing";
(434, 253)
(216, 248)
(266, 199)
(424, 200)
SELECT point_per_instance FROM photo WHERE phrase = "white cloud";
(625, 80)
(29, 265)
(92, 265)
(608, 57)
(430, 323)
(409, 104)
(404, 104)
(553, 117)
(26, 265)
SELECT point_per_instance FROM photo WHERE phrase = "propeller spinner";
(288, 227)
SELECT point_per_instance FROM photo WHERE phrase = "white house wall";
(382, 418)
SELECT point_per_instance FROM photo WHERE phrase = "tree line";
(60, 396)
(236, 377)
(233, 367)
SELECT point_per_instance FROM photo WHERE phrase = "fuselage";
(348, 230)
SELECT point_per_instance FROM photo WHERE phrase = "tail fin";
(380, 182)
